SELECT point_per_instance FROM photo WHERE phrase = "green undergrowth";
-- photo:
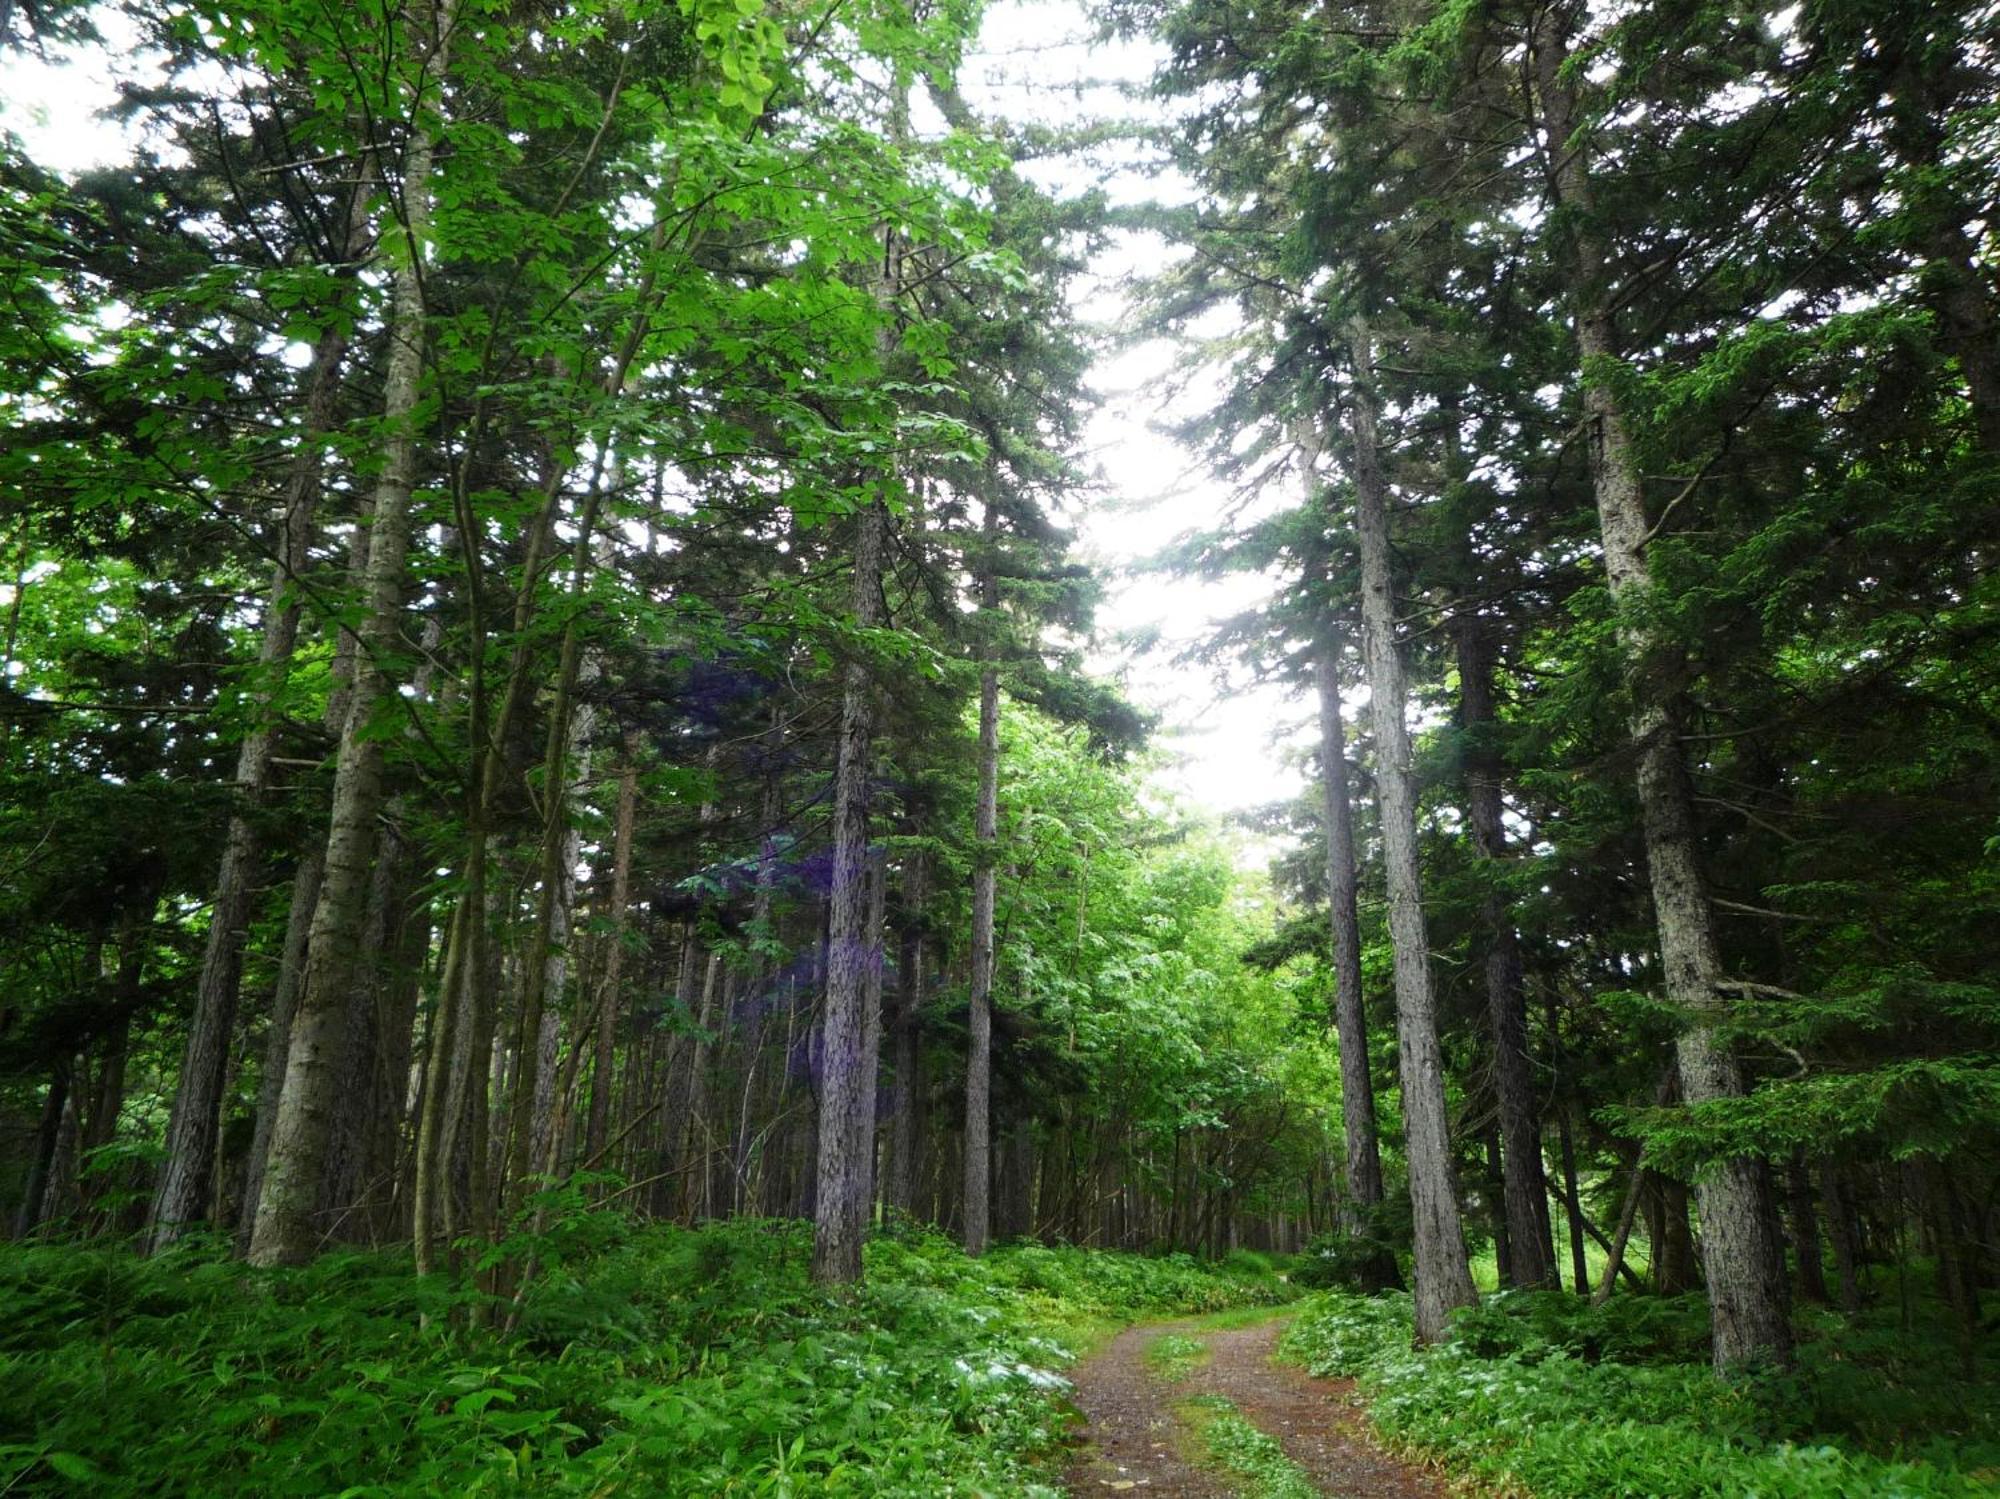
(650, 1360)
(1219, 1436)
(1174, 1356)
(1542, 1394)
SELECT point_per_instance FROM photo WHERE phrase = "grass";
(1173, 1356)
(656, 1360)
(1543, 1395)
(1216, 1435)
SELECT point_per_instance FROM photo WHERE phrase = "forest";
(588, 903)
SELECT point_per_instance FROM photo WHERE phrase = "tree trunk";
(1805, 1231)
(871, 1010)
(611, 989)
(1443, 1278)
(840, 1181)
(1840, 1229)
(182, 1197)
(1526, 1190)
(979, 1023)
(1673, 1243)
(1361, 1204)
(1496, 1202)
(41, 1165)
(899, 1187)
(1615, 1258)
(284, 1232)
(278, 1034)
(1740, 1253)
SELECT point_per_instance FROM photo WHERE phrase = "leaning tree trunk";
(1443, 1277)
(1741, 1255)
(284, 1230)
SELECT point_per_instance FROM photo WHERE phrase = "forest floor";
(1147, 1420)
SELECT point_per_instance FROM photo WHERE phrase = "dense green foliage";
(680, 1362)
(1567, 1401)
(1662, 338)
(547, 738)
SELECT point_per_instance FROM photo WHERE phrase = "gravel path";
(1131, 1439)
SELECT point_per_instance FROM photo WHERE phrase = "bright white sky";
(1035, 62)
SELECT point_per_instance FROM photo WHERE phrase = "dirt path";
(1132, 1440)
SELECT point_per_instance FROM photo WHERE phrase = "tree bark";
(1841, 1230)
(183, 1193)
(1805, 1230)
(278, 1035)
(611, 990)
(871, 1010)
(840, 1181)
(1526, 1190)
(1740, 1252)
(1443, 1277)
(284, 1232)
(1361, 1204)
(41, 1165)
(979, 1022)
(1361, 1134)
(899, 1187)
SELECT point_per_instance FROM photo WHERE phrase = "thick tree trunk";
(841, 1180)
(183, 1193)
(1443, 1277)
(285, 1233)
(1740, 1252)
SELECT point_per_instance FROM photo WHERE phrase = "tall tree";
(1740, 1252)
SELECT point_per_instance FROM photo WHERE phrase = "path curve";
(1132, 1440)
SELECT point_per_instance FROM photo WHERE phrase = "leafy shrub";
(1531, 1325)
(676, 1362)
(1575, 1403)
(1349, 1262)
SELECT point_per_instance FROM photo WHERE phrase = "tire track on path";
(1132, 1440)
